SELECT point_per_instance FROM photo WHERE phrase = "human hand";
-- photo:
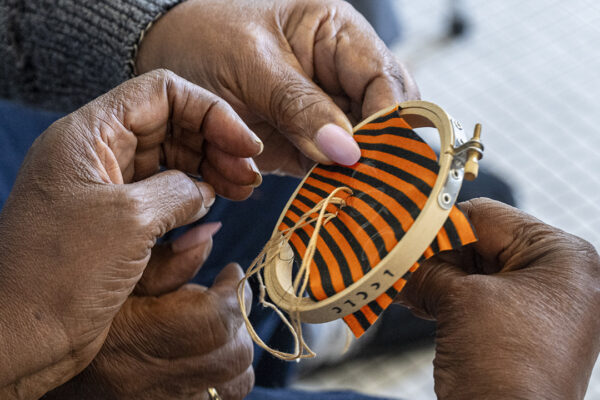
(171, 340)
(299, 72)
(77, 231)
(517, 312)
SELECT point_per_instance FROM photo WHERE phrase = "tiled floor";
(530, 73)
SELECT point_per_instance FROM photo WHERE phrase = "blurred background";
(530, 73)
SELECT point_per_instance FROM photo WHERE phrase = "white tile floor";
(530, 72)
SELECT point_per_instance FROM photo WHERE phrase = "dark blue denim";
(260, 393)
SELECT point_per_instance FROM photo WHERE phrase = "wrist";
(519, 379)
(165, 41)
(35, 351)
(142, 59)
(149, 52)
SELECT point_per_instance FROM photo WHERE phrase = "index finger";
(151, 100)
(136, 117)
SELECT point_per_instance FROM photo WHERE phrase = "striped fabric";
(390, 184)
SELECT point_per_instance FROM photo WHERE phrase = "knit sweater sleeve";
(59, 54)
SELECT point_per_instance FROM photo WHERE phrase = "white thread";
(273, 246)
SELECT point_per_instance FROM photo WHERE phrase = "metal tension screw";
(473, 156)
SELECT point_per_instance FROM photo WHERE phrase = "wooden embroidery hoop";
(458, 159)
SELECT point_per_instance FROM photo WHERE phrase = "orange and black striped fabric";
(390, 184)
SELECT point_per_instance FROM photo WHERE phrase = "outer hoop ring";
(278, 275)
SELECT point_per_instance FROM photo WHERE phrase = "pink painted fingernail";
(195, 236)
(338, 145)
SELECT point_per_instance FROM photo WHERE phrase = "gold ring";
(213, 394)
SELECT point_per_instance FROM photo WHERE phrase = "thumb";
(306, 115)
(170, 199)
(430, 286)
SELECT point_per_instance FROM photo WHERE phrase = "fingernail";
(257, 180)
(338, 145)
(262, 145)
(207, 192)
(254, 136)
(195, 236)
(258, 177)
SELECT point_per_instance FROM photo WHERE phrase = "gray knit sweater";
(59, 54)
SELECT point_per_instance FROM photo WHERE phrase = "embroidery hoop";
(458, 160)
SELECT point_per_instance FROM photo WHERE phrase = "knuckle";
(180, 182)
(243, 347)
(392, 71)
(163, 80)
(253, 35)
(572, 260)
(224, 370)
(292, 103)
(248, 295)
(240, 360)
(231, 360)
(162, 74)
(590, 261)
(221, 332)
(214, 104)
(344, 8)
(138, 216)
(239, 387)
(247, 383)
(471, 291)
(152, 81)
(535, 232)
(247, 348)
(136, 208)
(584, 246)
(343, 5)
(230, 318)
(224, 324)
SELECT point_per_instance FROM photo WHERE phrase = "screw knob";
(473, 157)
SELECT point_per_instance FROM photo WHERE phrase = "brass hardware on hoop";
(474, 152)
(465, 156)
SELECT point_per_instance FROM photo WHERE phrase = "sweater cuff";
(80, 49)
